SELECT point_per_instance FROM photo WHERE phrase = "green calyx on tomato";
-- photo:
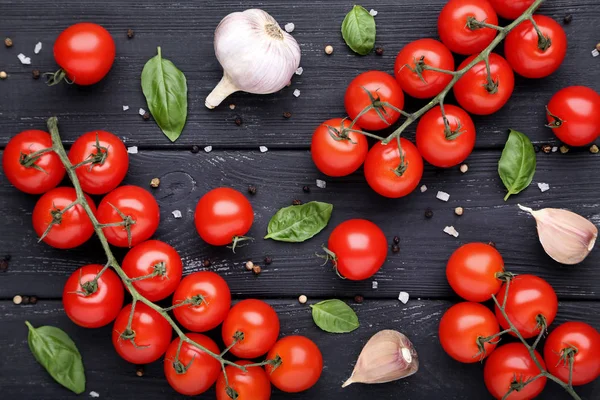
(54, 78)
(30, 160)
(97, 158)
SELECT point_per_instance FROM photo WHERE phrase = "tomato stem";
(557, 121)
(474, 24)
(544, 42)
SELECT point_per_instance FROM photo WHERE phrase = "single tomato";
(300, 364)
(253, 384)
(458, 33)
(574, 115)
(510, 9)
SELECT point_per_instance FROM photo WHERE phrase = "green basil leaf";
(55, 350)
(517, 163)
(165, 88)
(299, 223)
(358, 30)
(334, 316)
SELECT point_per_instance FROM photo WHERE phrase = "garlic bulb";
(257, 56)
(387, 356)
(565, 236)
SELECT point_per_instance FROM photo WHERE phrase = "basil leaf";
(334, 316)
(358, 30)
(517, 163)
(55, 350)
(165, 88)
(299, 223)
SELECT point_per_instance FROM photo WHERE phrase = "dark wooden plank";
(185, 32)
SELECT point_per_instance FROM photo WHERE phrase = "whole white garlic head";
(257, 56)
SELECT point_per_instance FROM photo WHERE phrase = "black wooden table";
(184, 29)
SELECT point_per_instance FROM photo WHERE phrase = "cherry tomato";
(528, 297)
(194, 371)
(454, 30)
(141, 215)
(157, 258)
(473, 92)
(301, 364)
(222, 215)
(109, 161)
(342, 155)
(85, 52)
(434, 54)
(150, 334)
(578, 337)
(259, 324)
(512, 363)
(462, 326)
(359, 247)
(253, 384)
(32, 174)
(523, 51)
(472, 271)
(510, 9)
(387, 175)
(574, 115)
(374, 88)
(70, 230)
(445, 148)
(209, 300)
(93, 303)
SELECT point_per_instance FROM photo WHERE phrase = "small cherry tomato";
(207, 299)
(159, 263)
(148, 338)
(458, 33)
(409, 63)
(574, 115)
(300, 364)
(135, 208)
(529, 297)
(388, 174)
(253, 384)
(510, 9)
(358, 248)
(194, 371)
(373, 88)
(91, 302)
(337, 151)
(30, 172)
(255, 324)
(512, 363)
(71, 229)
(103, 161)
(477, 94)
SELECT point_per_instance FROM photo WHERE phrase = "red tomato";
(510, 9)
(32, 174)
(453, 29)
(360, 249)
(471, 90)
(195, 371)
(253, 384)
(141, 215)
(70, 230)
(300, 367)
(523, 52)
(222, 215)
(259, 324)
(93, 303)
(472, 271)
(461, 327)
(445, 149)
(528, 297)
(574, 115)
(110, 161)
(510, 363)
(383, 88)
(434, 54)
(209, 298)
(383, 173)
(580, 337)
(342, 155)
(151, 334)
(158, 258)
(85, 52)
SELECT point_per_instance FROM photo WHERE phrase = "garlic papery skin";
(257, 56)
(567, 237)
(388, 355)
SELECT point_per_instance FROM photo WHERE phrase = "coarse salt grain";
(451, 231)
(423, 189)
(289, 27)
(38, 48)
(373, 12)
(443, 196)
(297, 93)
(403, 297)
(299, 71)
(543, 187)
(141, 111)
(321, 184)
(132, 150)
(24, 59)
(94, 394)
(375, 285)
(208, 149)
(125, 108)
(263, 149)
(555, 149)
(595, 53)
(176, 214)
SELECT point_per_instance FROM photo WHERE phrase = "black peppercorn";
(358, 299)
(536, 148)
(296, 202)
(3, 265)
(36, 74)
(396, 240)
(379, 51)
(268, 260)
(428, 213)
(33, 300)
(195, 149)
(25, 300)
(130, 33)
(568, 18)
(238, 121)
(206, 263)
(252, 189)
(287, 114)
(395, 248)
(306, 189)
(146, 116)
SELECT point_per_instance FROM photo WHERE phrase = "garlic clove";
(566, 237)
(388, 356)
